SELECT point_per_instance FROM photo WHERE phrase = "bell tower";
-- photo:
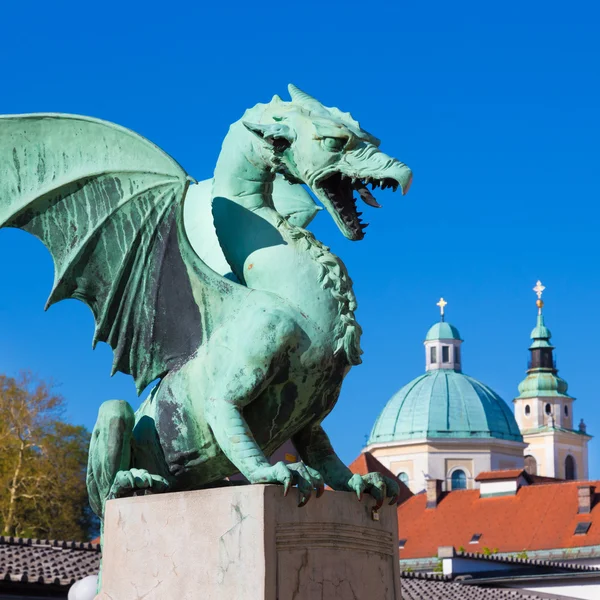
(544, 411)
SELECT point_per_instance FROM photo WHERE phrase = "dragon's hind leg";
(110, 473)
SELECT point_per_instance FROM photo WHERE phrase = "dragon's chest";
(307, 281)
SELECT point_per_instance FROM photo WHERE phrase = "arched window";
(527, 409)
(566, 411)
(548, 409)
(531, 465)
(403, 477)
(459, 480)
(570, 468)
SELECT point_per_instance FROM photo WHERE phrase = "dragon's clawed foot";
(377, 485)
(306, 478)
(128, 482)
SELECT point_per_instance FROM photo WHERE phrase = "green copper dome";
(445, 404)
(442, 331)
(543, 384)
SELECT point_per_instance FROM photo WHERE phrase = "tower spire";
(544, 406)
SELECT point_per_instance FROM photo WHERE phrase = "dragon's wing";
(108, 205)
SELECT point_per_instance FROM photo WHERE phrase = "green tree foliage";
(42, 465)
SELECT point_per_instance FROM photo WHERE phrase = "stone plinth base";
(249, 543)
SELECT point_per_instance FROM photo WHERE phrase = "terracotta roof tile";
(537, 517)
(366, 463)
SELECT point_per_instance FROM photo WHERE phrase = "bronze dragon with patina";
(215, 289)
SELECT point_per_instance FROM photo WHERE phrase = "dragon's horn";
(303, 99)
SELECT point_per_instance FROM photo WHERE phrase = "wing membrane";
(106, 203)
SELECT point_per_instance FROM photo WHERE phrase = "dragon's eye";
(335, 144)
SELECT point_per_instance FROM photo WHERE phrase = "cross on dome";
(442, 304)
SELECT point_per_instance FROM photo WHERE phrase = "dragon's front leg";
(238, 373)
(316, 451)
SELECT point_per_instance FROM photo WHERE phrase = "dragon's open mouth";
(339, 190)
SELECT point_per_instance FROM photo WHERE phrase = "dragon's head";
(328, 151)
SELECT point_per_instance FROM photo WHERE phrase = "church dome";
(442, 331)
(444, 403)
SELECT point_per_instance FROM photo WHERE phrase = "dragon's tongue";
(367, 198)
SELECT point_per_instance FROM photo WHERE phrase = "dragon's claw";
(130, 481)
(299, 474)
(377, 485)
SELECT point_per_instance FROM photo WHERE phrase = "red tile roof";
(499, 475)
(537, 517)
(366, 463)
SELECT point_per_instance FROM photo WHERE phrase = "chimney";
(434, 490)
(584, 498)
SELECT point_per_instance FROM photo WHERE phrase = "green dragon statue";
(216, 289)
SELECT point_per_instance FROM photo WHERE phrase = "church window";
(433, 354)
(527, 409)
(530, 465)
(445, 354)
(566, 411)
(459, 480)
(403, 477)
(548, 409)
(570, 468)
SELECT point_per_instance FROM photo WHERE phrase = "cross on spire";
(442, 304)
(539, 290)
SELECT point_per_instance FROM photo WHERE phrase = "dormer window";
(445, 354)
(433, 355)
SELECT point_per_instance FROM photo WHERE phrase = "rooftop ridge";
(425, 576)
(526, 561)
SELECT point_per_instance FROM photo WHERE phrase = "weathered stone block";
(249, 543)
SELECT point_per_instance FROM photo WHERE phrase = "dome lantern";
(442, 344)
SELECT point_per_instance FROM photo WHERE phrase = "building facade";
(447, 426)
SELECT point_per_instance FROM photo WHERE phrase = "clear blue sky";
(493, 105)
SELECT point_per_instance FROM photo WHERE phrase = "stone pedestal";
(249, 543)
